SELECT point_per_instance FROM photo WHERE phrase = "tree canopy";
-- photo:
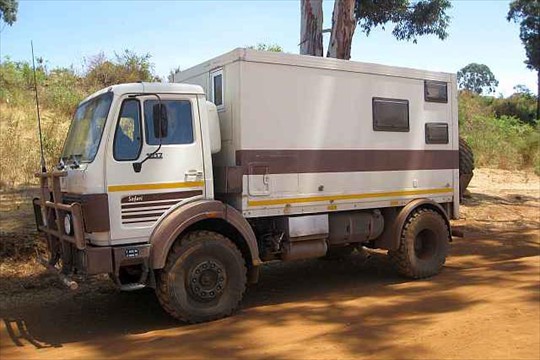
(527, 14)
(126, 67)
(409, 20)
(477, 78)
(8, 11)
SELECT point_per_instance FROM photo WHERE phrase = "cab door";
(172, 174)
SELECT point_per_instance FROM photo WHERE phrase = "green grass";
(503, 142)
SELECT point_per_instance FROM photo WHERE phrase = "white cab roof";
(147, 87)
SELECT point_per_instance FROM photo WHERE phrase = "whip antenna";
(43, 167)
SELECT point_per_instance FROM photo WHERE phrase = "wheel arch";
(208, 215)
(391, 235)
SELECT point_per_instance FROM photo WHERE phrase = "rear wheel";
(424, 245)
(204, 278)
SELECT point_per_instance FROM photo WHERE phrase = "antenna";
(43, 167)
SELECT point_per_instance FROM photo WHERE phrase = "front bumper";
(76, 254)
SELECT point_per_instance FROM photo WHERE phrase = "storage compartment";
(355, 227)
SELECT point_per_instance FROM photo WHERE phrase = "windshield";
(86, 128)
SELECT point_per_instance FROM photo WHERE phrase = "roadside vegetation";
(60, 90)
(502, 132)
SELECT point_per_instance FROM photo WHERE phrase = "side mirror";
(159, 115)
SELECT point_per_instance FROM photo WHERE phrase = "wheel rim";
(207, 280)
(425, 244)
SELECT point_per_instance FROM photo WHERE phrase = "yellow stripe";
(347, 197)
(175, 185)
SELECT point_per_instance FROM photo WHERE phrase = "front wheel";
(204, 278)
(424, 245)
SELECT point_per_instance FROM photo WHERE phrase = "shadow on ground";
(314, 291)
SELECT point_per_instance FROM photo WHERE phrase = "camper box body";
(305, 134)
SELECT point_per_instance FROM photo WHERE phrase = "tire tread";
(400, 258)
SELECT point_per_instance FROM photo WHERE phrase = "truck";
(249, 158)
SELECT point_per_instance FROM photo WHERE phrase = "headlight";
(67, 224)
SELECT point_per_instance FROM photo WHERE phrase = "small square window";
(436, 133)
(435, 91)
(390, 115)
(216, 78)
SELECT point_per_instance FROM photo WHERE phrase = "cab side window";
(127, 136)
(179, 119)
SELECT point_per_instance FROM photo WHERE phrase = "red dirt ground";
(485, 303)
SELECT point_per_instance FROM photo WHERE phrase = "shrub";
(503, 142)
(127, 67)
(519, 105)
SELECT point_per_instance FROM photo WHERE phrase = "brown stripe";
(145, 205)
(317, 161)
(136, 216)
(137, 198)
(95, 209)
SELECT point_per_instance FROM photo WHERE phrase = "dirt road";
(485, 304)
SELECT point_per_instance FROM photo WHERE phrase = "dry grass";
(19, 143)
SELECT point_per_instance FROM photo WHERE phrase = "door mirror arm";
(137, 166)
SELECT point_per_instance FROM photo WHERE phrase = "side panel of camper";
(309, 135)
(318, 140)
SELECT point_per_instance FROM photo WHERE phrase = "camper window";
(435, 91)
(217, 88)
(390, 115)
(436, 133)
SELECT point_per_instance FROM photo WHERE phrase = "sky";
(185, 33)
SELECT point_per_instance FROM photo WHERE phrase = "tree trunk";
(343, 26)
(538, 95)
(311, 41)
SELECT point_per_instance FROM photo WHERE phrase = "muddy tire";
(424, 245)
(466, 166)
(204, 278)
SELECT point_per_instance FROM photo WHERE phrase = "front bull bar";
(51, 222)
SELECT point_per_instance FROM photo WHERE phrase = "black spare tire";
(466, 165)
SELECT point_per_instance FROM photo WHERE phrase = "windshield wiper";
(75, 164)
(61, 163)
